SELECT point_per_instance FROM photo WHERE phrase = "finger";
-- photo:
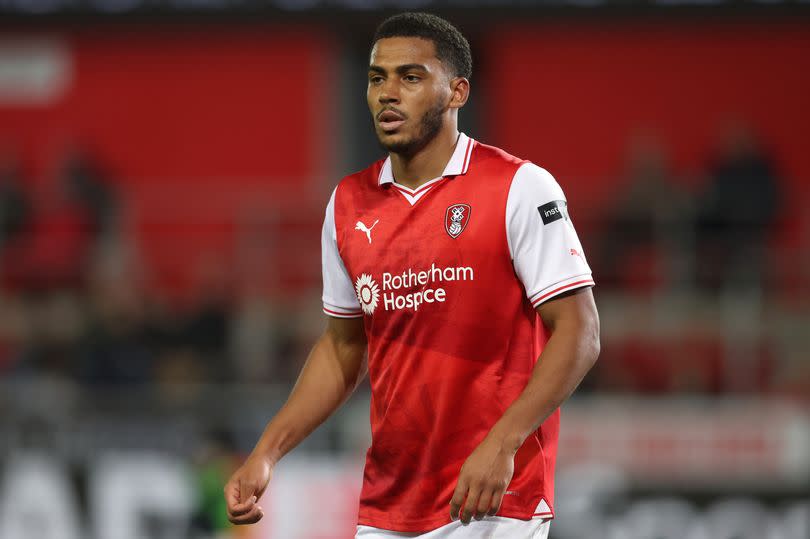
(495, 503)
(251, 517)
(483, 505)
(242, 508)
(232, 493)
(470, 504)
(458, 498)
(247, 491)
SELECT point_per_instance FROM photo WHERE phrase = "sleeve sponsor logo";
(575, 252)
(553, 211)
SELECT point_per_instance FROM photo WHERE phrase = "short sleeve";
(339, 299)
(545, 250)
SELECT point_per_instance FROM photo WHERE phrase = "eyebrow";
(400, 69)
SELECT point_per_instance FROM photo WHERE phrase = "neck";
(426, 164)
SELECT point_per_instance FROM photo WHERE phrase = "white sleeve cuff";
(555, 289)
(341, 312)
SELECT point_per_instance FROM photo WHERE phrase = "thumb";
(246, 490)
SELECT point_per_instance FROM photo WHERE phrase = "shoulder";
(362, 180)
(524, 178)
(357, 192)
(492, 156)
(520, 174)
(531, 181)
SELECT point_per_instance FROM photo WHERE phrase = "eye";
(412, 78)
(375, 79)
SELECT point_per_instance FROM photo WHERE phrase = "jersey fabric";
(447, 278)
(488, 528)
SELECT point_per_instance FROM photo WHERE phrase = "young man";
(455, 266)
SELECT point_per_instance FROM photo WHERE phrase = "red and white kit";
(447, 278)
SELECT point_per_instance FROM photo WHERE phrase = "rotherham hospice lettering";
(409, 279)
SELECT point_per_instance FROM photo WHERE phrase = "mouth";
(390, 120)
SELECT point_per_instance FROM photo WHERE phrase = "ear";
(459, 92)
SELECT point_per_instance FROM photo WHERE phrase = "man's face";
(408, 93)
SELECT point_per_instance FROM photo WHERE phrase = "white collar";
(458, 164)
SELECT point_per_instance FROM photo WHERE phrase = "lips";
(390, 120)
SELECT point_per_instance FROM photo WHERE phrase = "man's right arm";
(334, 368)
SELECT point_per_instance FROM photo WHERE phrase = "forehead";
(394, 51)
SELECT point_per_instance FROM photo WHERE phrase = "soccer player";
(452, 275)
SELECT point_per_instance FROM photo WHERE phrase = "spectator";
(737, 212)
(116, 351)
(15, 206)
(646, 226)
(66, 226)
(88, 186)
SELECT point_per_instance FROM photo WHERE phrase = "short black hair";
(452, 48)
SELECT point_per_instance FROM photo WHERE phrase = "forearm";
(332, 371)
(568, 355)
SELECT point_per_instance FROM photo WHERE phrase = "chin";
(395, 142)
(402, 148)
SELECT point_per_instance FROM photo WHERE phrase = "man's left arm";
(569, 354)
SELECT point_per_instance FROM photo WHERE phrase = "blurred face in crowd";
(410, 93)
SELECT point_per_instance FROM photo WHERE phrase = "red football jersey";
(447, 278)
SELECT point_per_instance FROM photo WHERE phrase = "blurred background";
(164, 170)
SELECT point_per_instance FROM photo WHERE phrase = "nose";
(389, 93)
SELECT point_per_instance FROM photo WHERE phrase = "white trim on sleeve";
(572, 283)
(545, 250)
(339, 297)
(337, 312)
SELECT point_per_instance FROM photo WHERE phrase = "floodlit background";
(164, 169)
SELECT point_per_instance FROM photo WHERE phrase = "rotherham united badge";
(456, 219)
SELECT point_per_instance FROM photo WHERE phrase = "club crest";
(456, 219)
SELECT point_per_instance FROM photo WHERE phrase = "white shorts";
(488, 528)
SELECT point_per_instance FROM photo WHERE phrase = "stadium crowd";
(77, 304)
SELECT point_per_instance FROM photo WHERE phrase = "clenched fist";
(245, 487)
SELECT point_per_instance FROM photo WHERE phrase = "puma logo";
(574, 252)
(363, 228)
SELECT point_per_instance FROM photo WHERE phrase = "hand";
(482, 482)
(244, 489)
